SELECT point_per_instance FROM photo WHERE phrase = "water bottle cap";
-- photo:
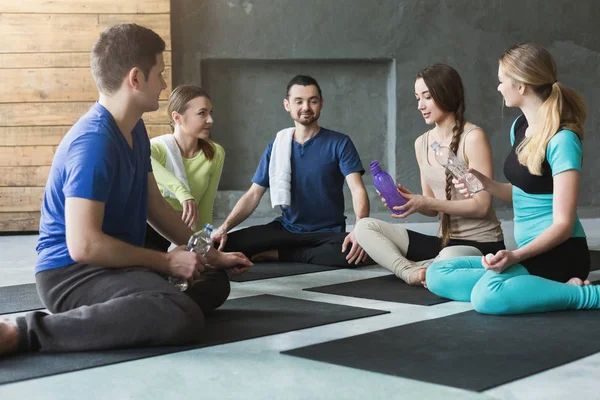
(435, 145)
(208, 227)
(375, 168)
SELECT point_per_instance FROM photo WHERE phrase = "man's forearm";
(360, 203)
(168, 223)
(242, 210)
(106, 251)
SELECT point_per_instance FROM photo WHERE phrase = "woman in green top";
(187, 165)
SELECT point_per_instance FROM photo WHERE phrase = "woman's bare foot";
(417, 278)
(9, 337)
(578, 282)
(269, 255)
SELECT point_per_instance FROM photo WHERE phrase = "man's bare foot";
(269, 255)
(9, 337)
(578, 282)
(417, 278)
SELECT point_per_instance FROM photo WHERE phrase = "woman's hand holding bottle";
(460, 185)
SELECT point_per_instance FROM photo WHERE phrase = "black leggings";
(423, 247)
(568, 259)
(323, 248)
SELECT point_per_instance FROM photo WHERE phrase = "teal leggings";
(513, 291)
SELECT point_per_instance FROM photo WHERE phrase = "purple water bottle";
(385, 185)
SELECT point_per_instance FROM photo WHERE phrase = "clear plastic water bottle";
(447, 159)
(385, 185)
(199, 243)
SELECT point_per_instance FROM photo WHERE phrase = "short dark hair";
(120, 48)
(303, 80)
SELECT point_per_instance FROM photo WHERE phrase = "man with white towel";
(304, 167)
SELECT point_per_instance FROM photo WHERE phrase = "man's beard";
(312, 118)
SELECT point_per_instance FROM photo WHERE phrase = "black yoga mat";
(19, 298)
(236, 320)
(279, 269)
(468, 350)
(384, 288)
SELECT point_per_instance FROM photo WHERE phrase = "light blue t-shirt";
(533, 212)
(319, 168)
(95, 162)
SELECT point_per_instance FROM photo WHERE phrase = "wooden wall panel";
(67, 33)
(86, 7)
(19, 221)
(52, 135)
(54, 85)
(53, 60)
(32, 135)
(155, 130)
(47, 86)
(19, 156)
(24, 176)
(157, 22)
(42, 114)
(19, 199)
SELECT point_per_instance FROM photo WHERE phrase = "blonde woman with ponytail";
(467, 226)
(548, 270)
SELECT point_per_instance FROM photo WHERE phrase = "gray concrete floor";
(254, 369)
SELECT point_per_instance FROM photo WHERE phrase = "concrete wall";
(365, 55)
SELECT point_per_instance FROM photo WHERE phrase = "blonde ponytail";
(563, 108)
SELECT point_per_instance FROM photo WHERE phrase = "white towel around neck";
(174, 162)
(280, 169)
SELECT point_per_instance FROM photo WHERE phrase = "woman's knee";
(487, 295)
(452, 279)
(500, 293)
(435, 277)
(488, 302)
(363, 229)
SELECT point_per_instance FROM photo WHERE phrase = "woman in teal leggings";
(548, 271)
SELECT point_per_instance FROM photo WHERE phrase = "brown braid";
(446, 89)
(457, 132)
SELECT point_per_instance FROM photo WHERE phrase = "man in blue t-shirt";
(104, 289)
(312, 226)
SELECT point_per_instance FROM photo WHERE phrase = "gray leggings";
(97, 308)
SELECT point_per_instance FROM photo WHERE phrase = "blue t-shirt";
(533, 195)
(94, 161)
(319, 167)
